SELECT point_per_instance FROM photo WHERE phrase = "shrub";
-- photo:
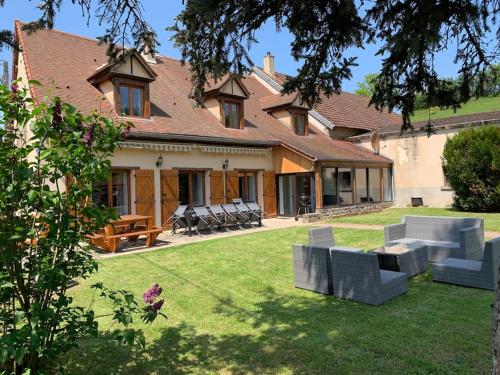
(43, 228)
(471, 162)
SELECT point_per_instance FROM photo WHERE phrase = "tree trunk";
(495, 345)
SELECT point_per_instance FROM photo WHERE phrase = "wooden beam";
(318, 185)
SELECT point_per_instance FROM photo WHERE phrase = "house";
(417, 168)
(247, 140)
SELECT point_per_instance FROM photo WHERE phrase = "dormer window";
(224, 99)
(131, 101)
(126, 84)
(290, 110)
(299, 123)
(232, 113)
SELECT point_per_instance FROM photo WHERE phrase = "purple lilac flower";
(57, 117)
(126, 132)
(157, 305)
(14, 88)
(150, 294)
(89, 136)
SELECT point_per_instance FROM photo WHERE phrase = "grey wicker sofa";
(356, 276)
(444, 236)
(324, 237)
(312, 268)
(478, 274)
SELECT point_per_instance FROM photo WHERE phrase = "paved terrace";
(167, 239)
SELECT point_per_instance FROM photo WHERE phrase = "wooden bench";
(126, 227)
(111, 242)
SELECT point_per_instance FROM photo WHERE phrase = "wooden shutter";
(169, 194)
(232, 186)
(145, 192)
(216, 187)
(269, 183)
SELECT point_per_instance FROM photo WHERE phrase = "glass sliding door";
(388, 195)
(361, 185)
(114, 192)
(345, 185)
(191, 188)
(375, 184)
(329, 181)
(120, 192)
(286, 195)
(247, 182)
(296, 191)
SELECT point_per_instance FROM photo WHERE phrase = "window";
(114, 192)
(232, 114)
(248, 186)
(374, 184)
(299, 123)
(387, 172)
(131, 101)
(361, 186)
(191, 188)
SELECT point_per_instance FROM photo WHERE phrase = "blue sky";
(161, 13)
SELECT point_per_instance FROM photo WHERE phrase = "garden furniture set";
(128, 226)
(381, 274)
(444, 236)
(218, 216)
(196, 218)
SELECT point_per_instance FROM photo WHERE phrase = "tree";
(367, 86)
(43, 228)
(214, 37)
(471, 162)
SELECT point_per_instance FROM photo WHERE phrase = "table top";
(395, 249)
(126, 219)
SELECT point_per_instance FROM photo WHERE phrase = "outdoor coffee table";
(402, 259)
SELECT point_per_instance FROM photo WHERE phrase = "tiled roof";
(271, 101)
(448, 122)
(349, 110)
(63, 62)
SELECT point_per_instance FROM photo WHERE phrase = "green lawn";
(486, 104)
(393, 215)
(233, 309)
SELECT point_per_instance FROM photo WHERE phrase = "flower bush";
(43, 224)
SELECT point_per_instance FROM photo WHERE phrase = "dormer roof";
(271, 103)
(230, 85)
(129, 64)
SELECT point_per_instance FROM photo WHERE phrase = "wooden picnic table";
(127, 226)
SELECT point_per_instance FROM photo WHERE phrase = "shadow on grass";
(302, 332)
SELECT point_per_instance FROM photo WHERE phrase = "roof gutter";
(275, 85)
(201, 139)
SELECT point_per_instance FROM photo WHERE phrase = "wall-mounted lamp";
(225, 166)
(159, 161)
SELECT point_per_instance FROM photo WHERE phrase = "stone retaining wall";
(334, 211)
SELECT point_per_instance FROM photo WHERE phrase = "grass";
(393, 216)
(233, 309)
(486, 104)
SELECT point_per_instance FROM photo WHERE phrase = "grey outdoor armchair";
(312, 268)
(356, 276)
(324, 237)
(444, 236)
(478, 274)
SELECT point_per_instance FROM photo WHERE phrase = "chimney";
(269, 64)
(148, 55)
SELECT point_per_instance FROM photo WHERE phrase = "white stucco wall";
(417, 167)
(146, 159)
